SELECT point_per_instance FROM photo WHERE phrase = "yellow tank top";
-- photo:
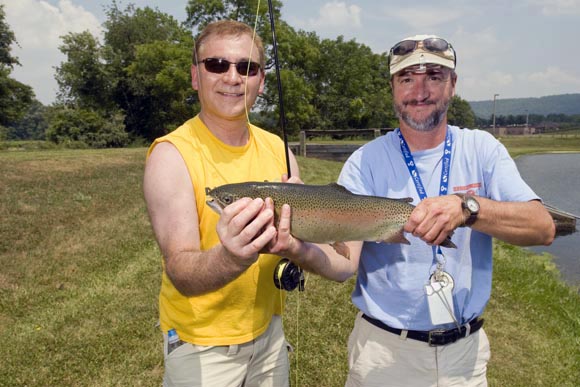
(241, 310)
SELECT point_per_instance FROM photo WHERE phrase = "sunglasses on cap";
(430, 44)
(220, 66)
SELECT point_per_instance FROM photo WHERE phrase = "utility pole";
(527, 118)
(493, 125)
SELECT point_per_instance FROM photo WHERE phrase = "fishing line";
(249, 60)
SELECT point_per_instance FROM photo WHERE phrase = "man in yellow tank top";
(217, 293)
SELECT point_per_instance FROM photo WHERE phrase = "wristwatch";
(471, 205)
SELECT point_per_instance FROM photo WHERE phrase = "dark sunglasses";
(220, 66)
(430, 44)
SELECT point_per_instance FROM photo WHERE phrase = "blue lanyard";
(410, 161)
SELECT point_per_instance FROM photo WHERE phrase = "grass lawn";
(81, 272)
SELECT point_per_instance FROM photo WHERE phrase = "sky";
(517, 48)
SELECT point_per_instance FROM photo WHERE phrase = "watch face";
(472, 205)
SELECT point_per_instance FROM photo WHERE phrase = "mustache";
(414, 102)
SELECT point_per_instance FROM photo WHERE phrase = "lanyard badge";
(439, 291)
(439, 288)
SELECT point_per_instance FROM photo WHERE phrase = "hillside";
(568, 104)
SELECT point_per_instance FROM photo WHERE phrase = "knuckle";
(247, 234)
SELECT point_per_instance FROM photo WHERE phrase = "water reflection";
(556, 178)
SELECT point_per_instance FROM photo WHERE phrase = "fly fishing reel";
(288, 276)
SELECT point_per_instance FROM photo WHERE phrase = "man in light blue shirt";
(420, 304)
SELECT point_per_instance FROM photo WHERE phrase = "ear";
(262, 82)
(453, 84)
(194, 77)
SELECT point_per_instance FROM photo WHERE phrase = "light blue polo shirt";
(391, 277)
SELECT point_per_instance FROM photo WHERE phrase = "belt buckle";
(436, 337)
(439, 337)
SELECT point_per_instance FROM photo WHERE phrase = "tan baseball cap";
(421, 50)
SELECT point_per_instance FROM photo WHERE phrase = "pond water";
(555, 177)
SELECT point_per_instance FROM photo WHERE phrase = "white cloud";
(336, 15)
(424, 18)
(38, 27)
(552, 80)
(483, 86)
(557, 7)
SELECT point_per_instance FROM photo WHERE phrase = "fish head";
(220, 197)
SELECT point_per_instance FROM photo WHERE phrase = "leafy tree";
(351, 84)
(327, 84)
(83, 79)
(85, 113)
(126, 29)
(160, 83)
(15, 97)
(7, 38)
(134, 36)
(460, 113)
(32, 126)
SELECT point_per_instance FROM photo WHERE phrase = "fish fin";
(399, 237)
(448, 243)
(406, 200)
(342, 249)
(338, 187)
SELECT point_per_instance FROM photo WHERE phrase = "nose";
(420, 89)
(232, 75)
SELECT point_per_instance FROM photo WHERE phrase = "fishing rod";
(280, 98)
(287, 275)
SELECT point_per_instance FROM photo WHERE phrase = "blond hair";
(223, 28)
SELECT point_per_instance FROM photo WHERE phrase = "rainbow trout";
(326, 213)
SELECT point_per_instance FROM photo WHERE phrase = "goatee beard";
(429, 123)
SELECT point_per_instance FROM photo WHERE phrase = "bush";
(75, 127)
(27, 145)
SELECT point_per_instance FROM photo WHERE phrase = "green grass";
(81, 272)
(518, 145)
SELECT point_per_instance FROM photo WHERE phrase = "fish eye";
(228, 199)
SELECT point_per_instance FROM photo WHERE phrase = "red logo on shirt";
(470, 188)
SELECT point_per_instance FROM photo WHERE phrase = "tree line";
(135, 85)
(560, 121)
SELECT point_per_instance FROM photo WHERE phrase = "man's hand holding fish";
(245, 228)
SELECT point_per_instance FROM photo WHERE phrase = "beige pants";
(380, 358)
(262, 362)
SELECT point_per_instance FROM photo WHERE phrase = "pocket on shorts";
(185, 349)
(357, 340)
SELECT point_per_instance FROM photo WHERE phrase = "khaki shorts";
(380, 358)
(261, 362)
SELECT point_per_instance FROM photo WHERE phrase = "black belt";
(435, 337)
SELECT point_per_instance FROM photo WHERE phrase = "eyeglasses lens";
(220, 66)
(430, 44)
(435, 44)
(251, 68)
(404, 47)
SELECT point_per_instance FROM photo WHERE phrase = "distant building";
(513, 130)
